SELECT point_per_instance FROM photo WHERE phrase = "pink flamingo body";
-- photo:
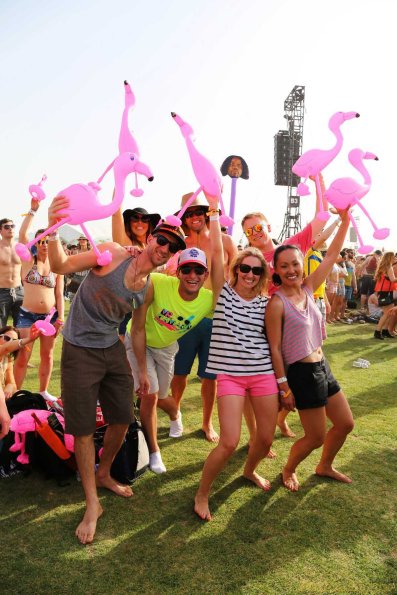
(45, 327)
(37, 191)
(312, 162)
(127, 142)
(85, 206)
(206, 175)
(345, 192)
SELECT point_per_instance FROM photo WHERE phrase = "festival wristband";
(53, 237)
(60, 321)
(284, 394)
(214, 217)
(281, 380)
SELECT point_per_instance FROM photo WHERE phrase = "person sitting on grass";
(385, 285)
(10, 344)
(296, 331)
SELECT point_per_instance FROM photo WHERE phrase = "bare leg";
(178, 386)
(85, 457)
(282, 424)
(230, 413)
(208, 391)
(46, 361)
(148, 412)
(314, 425)
(112, 442)
(22, 360)
(338, 411)
(169, 406)
(265, 409)
(251, 425)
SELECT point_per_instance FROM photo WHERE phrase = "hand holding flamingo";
(206, 175)
(347, 191)
(83, 204)
(312, 162)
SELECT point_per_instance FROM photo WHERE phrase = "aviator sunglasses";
(41, 242)
(143, 218)
(187, 269)
(163, 241)
(9, 226)
(246, 268)
(6, 338)
(195, 212)
(257, 228)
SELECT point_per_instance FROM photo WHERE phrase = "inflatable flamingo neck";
(356, 158)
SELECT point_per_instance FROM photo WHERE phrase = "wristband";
(31, 212)
(281, 380)
(214, 217)
(20, 343)
(60, 321)
(53, 237)
(284, 394)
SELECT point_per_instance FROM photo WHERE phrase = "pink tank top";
(303, 331)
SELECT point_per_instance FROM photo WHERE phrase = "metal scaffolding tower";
(288, 148)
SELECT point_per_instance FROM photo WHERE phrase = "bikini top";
(35, 278)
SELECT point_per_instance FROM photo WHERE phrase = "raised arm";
(118, 229)
(217, 256)
(317, 225)
(27, 221)
(318, 276)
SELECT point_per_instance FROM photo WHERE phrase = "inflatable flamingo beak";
(350, 115)
(177, 119)
(142, 168)
(370, 156)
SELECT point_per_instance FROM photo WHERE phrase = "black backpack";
(132, 460)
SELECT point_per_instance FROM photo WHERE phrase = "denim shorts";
(195, 342)
(312, 383)
(26, 319)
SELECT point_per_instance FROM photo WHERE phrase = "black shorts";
(312, 384)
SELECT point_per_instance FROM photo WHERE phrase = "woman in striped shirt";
(240, 356)
(296, 331)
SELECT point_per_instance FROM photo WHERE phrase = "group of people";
(254, 317)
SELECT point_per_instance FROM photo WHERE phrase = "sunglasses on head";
(186, 269)
(173, 247)
(9, 226)
(41, 242)
(257, 228)
(246, 268)
(143, 218)
(195, 212)
(6, 338)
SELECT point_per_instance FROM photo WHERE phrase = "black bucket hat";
(154, 217)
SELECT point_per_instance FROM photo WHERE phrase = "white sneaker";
(176, 427)
(156, 463)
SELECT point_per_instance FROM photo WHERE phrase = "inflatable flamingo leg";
(381, 233)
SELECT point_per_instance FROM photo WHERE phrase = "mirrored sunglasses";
(9, 226)
(246, 268)
(257, 228)
(163, 241)
(187, 269)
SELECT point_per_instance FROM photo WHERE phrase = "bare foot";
(261, 482)
(111, 484)
(271, 454)
(286, 430)
(210, 434)
(333, 474)
(290, 480)
(86, 529)
(201, 507)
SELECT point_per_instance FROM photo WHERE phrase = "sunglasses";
(257, 228)
(187, 269)
(143, 218)
(245, 268)
(173, 247)
(6, 338)
(41, 242)
(9, 226)
(195, 213)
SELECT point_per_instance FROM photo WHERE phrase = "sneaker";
(378, 335)
(358, 364)
(385, 333)
(176, 427)
(156, 463)
(364, 361)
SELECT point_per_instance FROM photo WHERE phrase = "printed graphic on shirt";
(173, 322)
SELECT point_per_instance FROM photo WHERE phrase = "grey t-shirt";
(99, 306)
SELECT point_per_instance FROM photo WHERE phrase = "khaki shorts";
(89, 375)
(159, 363)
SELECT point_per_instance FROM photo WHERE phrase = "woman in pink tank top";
(296, 331)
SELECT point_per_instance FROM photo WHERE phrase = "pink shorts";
(259, 385)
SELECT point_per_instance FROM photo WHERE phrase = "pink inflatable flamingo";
(347, 191)
(314, 161)
(85, 206)
(45, 327)
(127, 142)
(206, 175)
(36, 190)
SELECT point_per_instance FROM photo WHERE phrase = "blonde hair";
(261, 287)
(384, 264)
(254, 214)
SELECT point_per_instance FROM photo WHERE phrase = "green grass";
(327, 538)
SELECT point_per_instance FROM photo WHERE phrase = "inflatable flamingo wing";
(205, 172)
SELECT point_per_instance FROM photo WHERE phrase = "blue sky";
(224, 66)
